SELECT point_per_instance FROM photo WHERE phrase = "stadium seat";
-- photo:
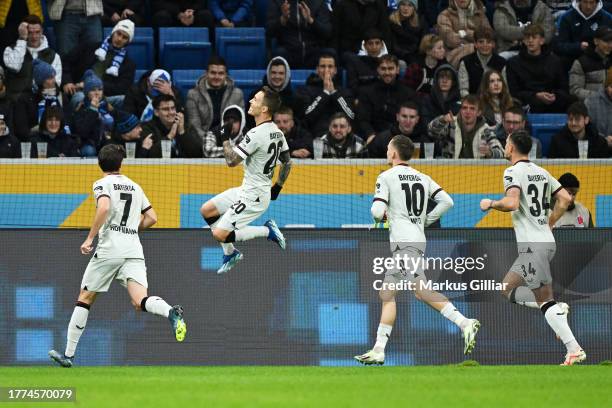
(142, 48)
(242, 48)
(138, 74)
(184, 48)
(299, 76)
(248, 80)
(544, 126)
(185, 79)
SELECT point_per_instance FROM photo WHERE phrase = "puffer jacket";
(510, 33)
(588, 74)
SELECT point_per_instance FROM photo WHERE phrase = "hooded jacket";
(510, 32)
(61, 143)
(361, 69)
(350, 17)
(600, 111)
(18, 61)
(565, 145)
(9, 145)
(528, 75)
(419, 76)
(575, 27)
(213, 142)
(588, 73)
(435, 104)
(199, 105)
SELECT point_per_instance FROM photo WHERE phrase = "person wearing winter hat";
(44, 93)
(43, 73)
(127, 128)
(121, 35)
(138, 99)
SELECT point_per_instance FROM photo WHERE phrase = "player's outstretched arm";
(149, 218)
(231, 157)
(102, 208)
(509, 203)
(444, 202)
(562, 201)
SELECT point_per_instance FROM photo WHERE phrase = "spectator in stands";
(565, 143)
(466, 136)
(127, 129)
(232, 13)
(600, 110)
(444, 97)
(536, 76)
(577, 215)
(300, 29)
(109, 60)
(12, 14)
(139, 98)
(494, 97)
(92, 121)
(361, 68)
(278, 78)
(379, 102)
(7, 105)
(512, 16)
(351, 17)
(340, 142)
(76, 22)
(514, 119)
(420, 73)
(168, 124)
(407, 30)
(558, 7)
(53, 131)
(473, 66)
(456, 27)
(9, 145)
(588, 73)
(31, 45)
(298, 138)
(430, 10)
(181, 13)
(214, 91)
(117, 10)
(577, 27)
(45, 93)
(322, 96)
(408, 123)
(231, 128)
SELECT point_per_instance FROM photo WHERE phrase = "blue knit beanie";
(91, 82)
(42, 71)
(125, 122)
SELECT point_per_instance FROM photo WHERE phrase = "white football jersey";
(406, 192)
(118, 237)
(260, 149)
(537, 187)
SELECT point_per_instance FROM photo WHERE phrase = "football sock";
(249, 232)
(228, 249)
(382, 336)
(451, 313)
(523, 296)
(557, 320)
(155, 305)
(76, 327)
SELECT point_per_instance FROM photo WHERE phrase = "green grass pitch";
(423, 386)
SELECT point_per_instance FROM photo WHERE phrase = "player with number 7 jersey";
(529, 189)
(229, 214)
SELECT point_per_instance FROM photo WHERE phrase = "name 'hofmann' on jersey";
(124, 230)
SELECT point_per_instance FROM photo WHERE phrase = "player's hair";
(216, 60)
(110, 157)
(532, 30)
(516, 110)
(471, 99)
(388, 58)
(404, 146)
(284, 110)
(271, 100)
(578, 109)
(32, 19)
(569, 180)
(427, 43)
(162, 98)
(521, 139)
(409, 105)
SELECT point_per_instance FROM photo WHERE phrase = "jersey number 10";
(415, 198)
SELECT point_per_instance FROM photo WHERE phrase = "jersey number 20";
(275, 149)
(415, 198)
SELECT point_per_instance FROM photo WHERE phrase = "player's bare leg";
(231, 256)
(556, 317)
(157, 306)
(469, 327)
(75, 328)
(387, 320)
(517, 292)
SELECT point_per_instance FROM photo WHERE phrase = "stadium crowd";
(460, 74)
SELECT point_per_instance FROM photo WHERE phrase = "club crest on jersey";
(247, 139)
(508, 179)
(99, 188)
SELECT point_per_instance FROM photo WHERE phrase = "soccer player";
(529, 189)
(401, 195)
(122, 209)
(230, 212)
